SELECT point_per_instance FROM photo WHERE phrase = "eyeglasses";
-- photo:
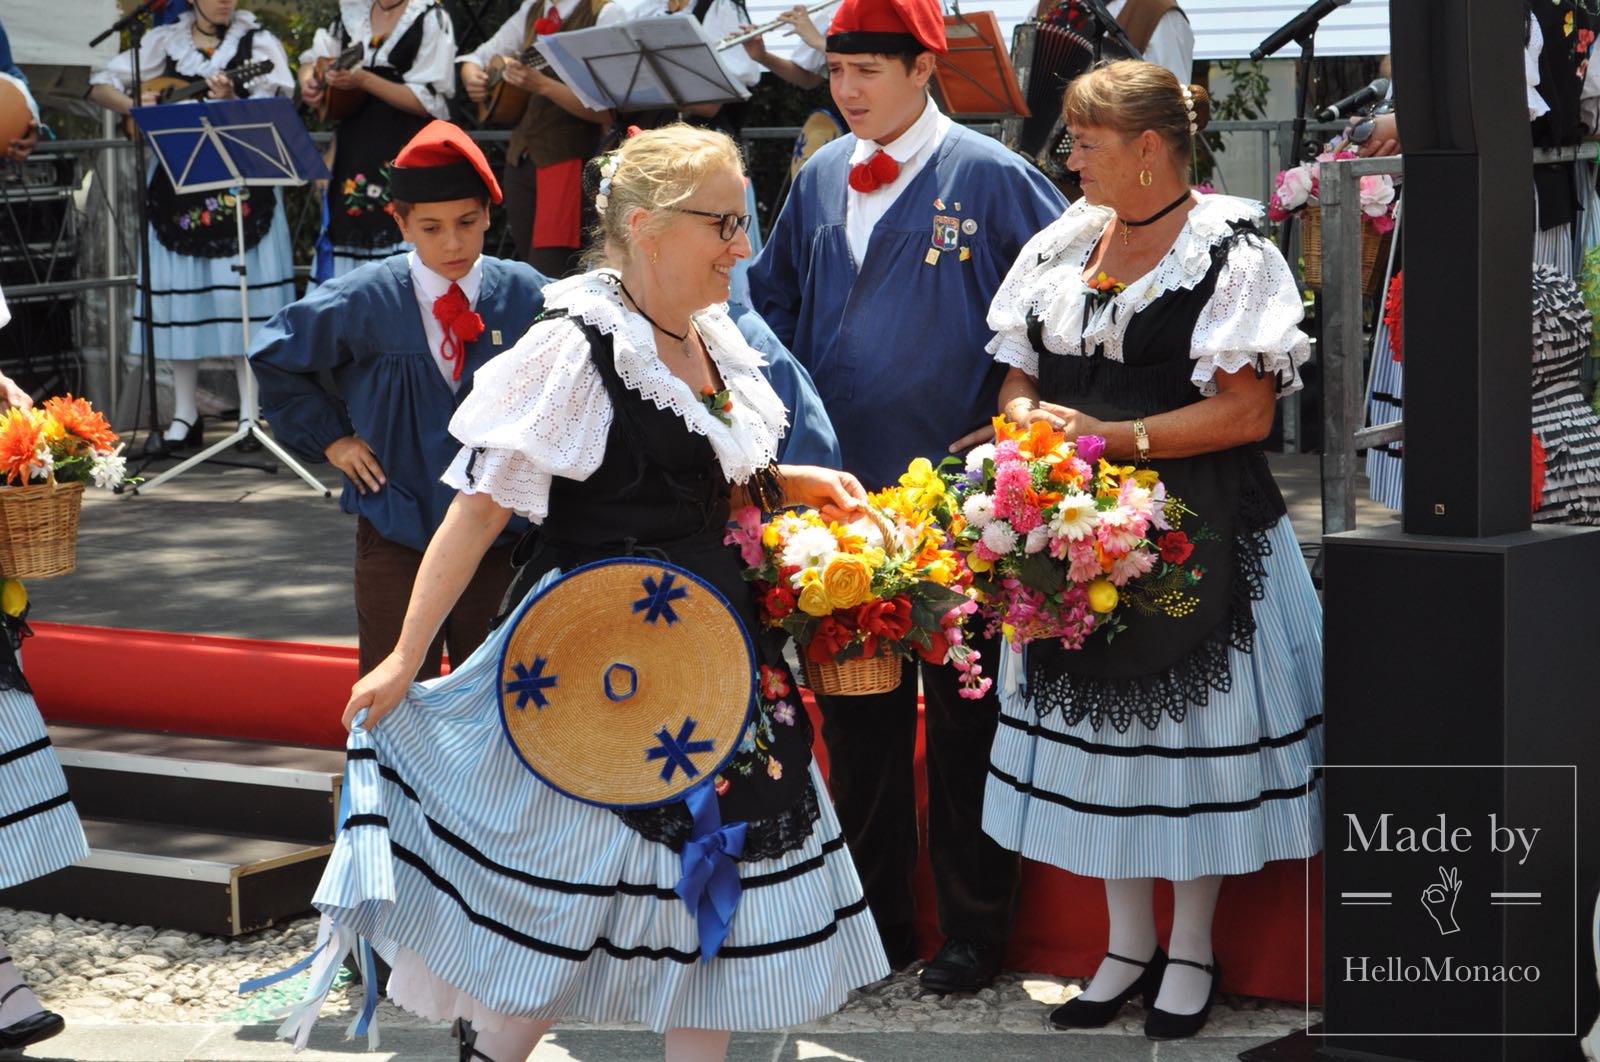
(728, 225)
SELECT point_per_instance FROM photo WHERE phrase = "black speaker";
(1469, 243)
(1458, 687)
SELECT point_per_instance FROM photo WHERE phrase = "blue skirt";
(347, 258)
(196, 299)
(39, 828)
(493, 894)
(1223, 792)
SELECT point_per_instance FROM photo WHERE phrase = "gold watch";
(1141, 439)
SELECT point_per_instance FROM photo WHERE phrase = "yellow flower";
(874, 556)
(809, 576)
(1115, 471)
(978, 564)
(847, 580)
(1009, 631)
(1102, 595)
(814, 600)
(770, 535)
(1147, 477)
(940, 572)
(923, 486)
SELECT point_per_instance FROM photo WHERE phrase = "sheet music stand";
(647, 64)
(975, 78)
(233, 144)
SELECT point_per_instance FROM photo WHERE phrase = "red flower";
(778, 602)
(831, 636)
(1539, 462)
(205, 217)
(721, 785)
(1175, 547)
(938, 646)
(1393, 313)
(887, 619)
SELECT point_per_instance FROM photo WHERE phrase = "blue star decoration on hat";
(658, 598)
(530, 684)
(677, 750)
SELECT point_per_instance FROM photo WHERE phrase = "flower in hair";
(1188, 109)
(608, 170)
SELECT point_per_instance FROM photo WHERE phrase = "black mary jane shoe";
(962, 966)
(160, 446)
(467, 1042)
(1080, 1013)
(30, 1030)
(1164, 1025)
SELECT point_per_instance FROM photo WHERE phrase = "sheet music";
(647, 64)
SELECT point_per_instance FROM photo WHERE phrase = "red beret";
(889, 27)
(441, 163)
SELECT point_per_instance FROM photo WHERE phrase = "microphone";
(1379, 89)
(1305, 22)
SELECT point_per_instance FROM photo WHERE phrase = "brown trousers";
(385, 571)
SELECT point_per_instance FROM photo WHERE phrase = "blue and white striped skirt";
(196, 299)
(1223, 792)
(39, 828)
(347, 258)
(493, 894)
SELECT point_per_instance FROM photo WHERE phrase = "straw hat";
(626, 682)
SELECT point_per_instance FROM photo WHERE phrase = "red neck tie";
(877, 171)
(550, 23)
(461, 326)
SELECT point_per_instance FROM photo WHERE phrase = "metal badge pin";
(969, 226)
(494, 336)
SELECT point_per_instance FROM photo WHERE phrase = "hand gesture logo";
(1439, 900)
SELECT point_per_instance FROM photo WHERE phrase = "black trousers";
(519, 191)
(871, 743)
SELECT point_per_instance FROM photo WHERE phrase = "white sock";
(696, 1045)
(185, 381)
(249, 400)
(20, 1004)
(514, 1041)
(1184, 989)
(1130, 903)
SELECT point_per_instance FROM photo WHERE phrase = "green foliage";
(1246, 99)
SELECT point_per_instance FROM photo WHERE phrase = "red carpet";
(293, 694)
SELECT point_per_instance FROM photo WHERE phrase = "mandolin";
(178, 89)
(339, 104)
(503, 102)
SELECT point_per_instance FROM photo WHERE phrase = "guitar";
(339, 104)
(503, 102)
(177, 89)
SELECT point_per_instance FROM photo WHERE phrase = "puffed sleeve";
(535, 412)
(1025, 287)
(279, 81)
(324, 45)
(432, 77)
(119, 72)
(1252, 319)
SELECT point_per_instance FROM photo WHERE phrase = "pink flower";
(1011, 481)
(1293, 189)
(1025, 519)
(774, 683)
(1131, 565)
(1085, 563)
(746, 534)
(1090, 447)
(1120, 529)
(774, 768)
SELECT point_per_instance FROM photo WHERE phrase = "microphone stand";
(1109, 27)
(134, 22)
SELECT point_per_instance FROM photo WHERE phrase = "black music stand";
(647, 64)
(233, 144)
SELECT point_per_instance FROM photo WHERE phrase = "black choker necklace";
(684, 339)
(1153, 218)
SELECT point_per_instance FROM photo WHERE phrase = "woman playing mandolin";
(218, 52)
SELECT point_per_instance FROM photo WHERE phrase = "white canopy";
(57, 32)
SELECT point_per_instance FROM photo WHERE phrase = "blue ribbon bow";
(710, 883)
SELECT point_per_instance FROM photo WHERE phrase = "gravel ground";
(103, 972)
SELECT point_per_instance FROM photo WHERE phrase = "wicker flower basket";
(1374, 247)
(853, 678)
(39, 529)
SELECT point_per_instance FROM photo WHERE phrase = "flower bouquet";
(857, 598)
(47, 454)
(1061, 541)
(1295, 195)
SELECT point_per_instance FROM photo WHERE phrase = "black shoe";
(248, 445)
(1165, 1025)
(962, 966)
(30, 1030)
(193, 438)
(1083, 1013)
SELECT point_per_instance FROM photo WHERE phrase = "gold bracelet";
(1141, 439)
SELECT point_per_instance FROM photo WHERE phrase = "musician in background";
(401, 55)
(22, 146)
(721, 18)
(194, 237)
(878, 276)
(1158, 28)
(807, 65)
(554, 135)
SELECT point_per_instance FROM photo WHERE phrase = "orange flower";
(1040, 441)
(20, 437)
(77, 417)
(1004, 429)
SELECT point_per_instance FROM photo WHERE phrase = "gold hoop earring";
(655, 256)
(1145, 178)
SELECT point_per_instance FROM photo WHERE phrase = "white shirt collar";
(433, 286)
(907, 143)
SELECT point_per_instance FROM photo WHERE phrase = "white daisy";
(810, 547)
(1075, 517)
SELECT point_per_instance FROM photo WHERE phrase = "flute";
(767, 27)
